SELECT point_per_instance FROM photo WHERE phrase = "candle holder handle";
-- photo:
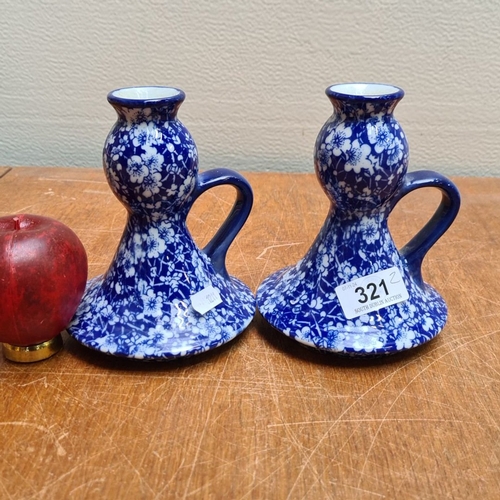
(415, 250)
(217, 247)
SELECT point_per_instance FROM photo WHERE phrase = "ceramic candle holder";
(163, 297)
(354, 292)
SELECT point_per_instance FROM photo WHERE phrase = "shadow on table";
(292, 348)
(109, 362)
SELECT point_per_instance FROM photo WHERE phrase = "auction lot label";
(372, 292)
(206, 299)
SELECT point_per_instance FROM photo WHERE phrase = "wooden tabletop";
(263, 417)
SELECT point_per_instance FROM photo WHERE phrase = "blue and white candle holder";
(353, 292)
(162, 297)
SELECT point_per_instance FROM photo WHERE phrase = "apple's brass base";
(35, 352)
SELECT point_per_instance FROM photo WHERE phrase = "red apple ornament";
(43, 272)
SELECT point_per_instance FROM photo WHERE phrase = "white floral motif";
(151, 184)
(380, 136)
(347, 271)
(155, 244)
(369, 229)
(152, 159)
(143, 134)
(152, 303)
(338, 140)
(395, 153)
(357, 157)
(405, 339)
(136, 169)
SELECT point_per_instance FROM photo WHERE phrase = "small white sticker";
(206, 299)
(372, 292)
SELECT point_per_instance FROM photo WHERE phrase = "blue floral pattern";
(361, 158)
(141, 307)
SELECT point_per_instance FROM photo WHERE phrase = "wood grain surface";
(263, 417)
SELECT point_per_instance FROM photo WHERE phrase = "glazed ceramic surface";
(361, 161)
(142, 306)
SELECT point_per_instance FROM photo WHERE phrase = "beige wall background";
(254, 73)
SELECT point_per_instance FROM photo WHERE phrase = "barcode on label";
(206, 299)
(372, 292)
